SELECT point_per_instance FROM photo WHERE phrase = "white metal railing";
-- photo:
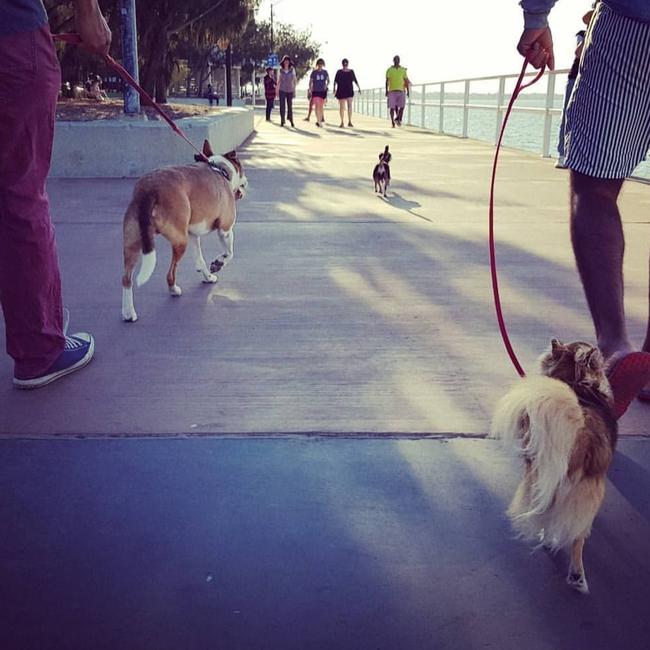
(373, 103)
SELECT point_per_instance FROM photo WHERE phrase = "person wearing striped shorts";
(607, 136)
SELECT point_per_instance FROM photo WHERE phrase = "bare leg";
(576, 578)
(342, 111)
(349, 103)
(178, 250)
(646, 344)
(598, 245)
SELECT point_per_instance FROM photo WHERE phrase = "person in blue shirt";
(318, 85)
(607, 136)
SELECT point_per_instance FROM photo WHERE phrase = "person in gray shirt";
(286, 89)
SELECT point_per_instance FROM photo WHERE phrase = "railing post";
(408, 107)
(466, 109)
(500, 100)
(550, 95)
(441, 116)
(423, 101)
(374, 101)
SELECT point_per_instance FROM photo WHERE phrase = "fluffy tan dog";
(564, 422)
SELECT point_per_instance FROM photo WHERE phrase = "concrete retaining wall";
(121, 148)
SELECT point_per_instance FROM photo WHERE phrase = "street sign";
(273, 60)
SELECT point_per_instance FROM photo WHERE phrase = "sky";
(437, 40)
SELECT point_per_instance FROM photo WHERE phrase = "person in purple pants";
(30, 283)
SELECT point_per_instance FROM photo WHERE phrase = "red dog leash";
(75, 39)
(493, 262)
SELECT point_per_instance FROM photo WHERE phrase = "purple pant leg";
(30, 284)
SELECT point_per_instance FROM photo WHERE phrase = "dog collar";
(220, 170)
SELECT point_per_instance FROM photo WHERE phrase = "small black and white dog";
(381, 173)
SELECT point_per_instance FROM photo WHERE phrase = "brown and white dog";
(565, 424)
(181, 203)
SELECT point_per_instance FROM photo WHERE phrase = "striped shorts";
(608, 116)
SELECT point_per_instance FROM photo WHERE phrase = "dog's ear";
(231, 155)
(590, 358)
(198, 158)
(556, 348)
(596, 359)
(207, 149)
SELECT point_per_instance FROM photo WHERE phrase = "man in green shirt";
(397, 89)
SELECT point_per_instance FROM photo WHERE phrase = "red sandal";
(627, 377)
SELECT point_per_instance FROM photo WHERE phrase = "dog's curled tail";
(147, 232)
(546, 416)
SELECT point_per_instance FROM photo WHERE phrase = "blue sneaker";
(78, 351)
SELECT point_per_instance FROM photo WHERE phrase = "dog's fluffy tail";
(544, 414)
(147, 232)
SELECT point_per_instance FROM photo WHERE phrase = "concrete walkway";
(342, 312)
(343, 315)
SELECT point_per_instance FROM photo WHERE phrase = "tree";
(167, 27)
(255, 43)
(167, 30)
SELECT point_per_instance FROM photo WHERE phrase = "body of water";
(525, 130)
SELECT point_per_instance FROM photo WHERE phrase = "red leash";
(493, 262)
(75, 39)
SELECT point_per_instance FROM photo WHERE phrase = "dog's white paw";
(578, 582)
(129, 316)
(211, 278)
(175, 290)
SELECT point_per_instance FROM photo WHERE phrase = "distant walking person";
(270, 89)
(286, 89)
(398, 87)
(319, 81)
(571, 80)
(344, 90)
(311, 106)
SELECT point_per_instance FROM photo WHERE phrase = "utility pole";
(272, 43)
(229, 75)
(130, 54)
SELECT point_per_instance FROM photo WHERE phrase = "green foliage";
(255, 43)
(168, 30)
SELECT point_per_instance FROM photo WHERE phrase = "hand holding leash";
(92, 27)
(536, 46)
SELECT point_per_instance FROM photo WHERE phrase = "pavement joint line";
(272, 435)
(292, 435)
